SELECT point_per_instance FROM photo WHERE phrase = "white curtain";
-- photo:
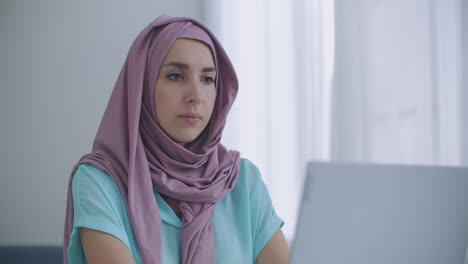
(361, 80)
(397, 81)
(281, 118)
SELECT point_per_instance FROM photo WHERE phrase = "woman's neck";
(174, 204)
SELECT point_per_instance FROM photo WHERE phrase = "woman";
(158, 186)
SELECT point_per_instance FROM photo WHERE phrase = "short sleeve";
(265, 221)
(97, 205)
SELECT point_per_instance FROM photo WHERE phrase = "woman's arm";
(103, 248)
(276, 250)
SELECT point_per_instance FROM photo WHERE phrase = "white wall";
(59, 61)
(464, 92)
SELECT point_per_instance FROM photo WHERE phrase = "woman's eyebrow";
(177, 64)
(186, 66)
(209, 69)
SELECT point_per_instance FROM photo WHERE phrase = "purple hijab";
(141, 158)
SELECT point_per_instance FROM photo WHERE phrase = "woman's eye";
(174, 76)
(207, 79)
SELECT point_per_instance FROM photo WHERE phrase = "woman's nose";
(194, 91)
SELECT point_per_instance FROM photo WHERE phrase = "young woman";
(158, 186)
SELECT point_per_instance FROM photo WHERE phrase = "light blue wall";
(59, 61)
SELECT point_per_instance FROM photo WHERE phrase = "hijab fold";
(141, 158)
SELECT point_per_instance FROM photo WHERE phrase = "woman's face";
(185, 90)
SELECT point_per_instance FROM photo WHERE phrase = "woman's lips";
(191, 118)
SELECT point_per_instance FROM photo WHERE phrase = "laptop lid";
(379, 214)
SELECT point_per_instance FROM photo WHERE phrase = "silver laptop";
(379, 214)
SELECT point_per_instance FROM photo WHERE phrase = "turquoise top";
(243, 222)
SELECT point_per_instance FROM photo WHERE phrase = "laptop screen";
(368, 213)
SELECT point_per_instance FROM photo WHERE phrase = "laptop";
(382, 214)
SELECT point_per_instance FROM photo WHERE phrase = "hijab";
(141, 158)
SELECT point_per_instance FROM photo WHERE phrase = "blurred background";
(347, 80)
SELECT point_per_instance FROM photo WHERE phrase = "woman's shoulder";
(249, 175)
(248, 167)
(90, 182)
(248, 170)
(89, 173)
